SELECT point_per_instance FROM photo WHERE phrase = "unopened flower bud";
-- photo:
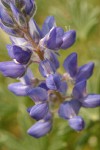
(39, 111)
(40, 129)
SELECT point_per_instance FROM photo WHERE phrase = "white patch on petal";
(16, 61)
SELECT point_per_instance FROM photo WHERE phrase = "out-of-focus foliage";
(83, 16)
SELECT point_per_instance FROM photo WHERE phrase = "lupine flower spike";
(30, 44)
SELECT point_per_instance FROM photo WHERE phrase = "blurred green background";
(83, 16)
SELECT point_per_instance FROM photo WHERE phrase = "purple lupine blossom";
(77, 123)
(5, 17)
(40, 129)
(30, 44)
(7, 67)
(87, 100)
(19, 54)
(69, 109)
(77, 73)
(38, 111)
(27, 83)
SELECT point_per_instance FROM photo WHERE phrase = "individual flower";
(5, 17)
(19, 89)
(39, 111)
(77, 123)
(38, 94)
(30, 8)
(40, 129)
(56, 39)
(87, 100)
(47, 67)
(69, 109)
(48, 24)
(19, 54)
(27, 83)
(12, 70)
(77, 73)
(55, 82)
(69, 39)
